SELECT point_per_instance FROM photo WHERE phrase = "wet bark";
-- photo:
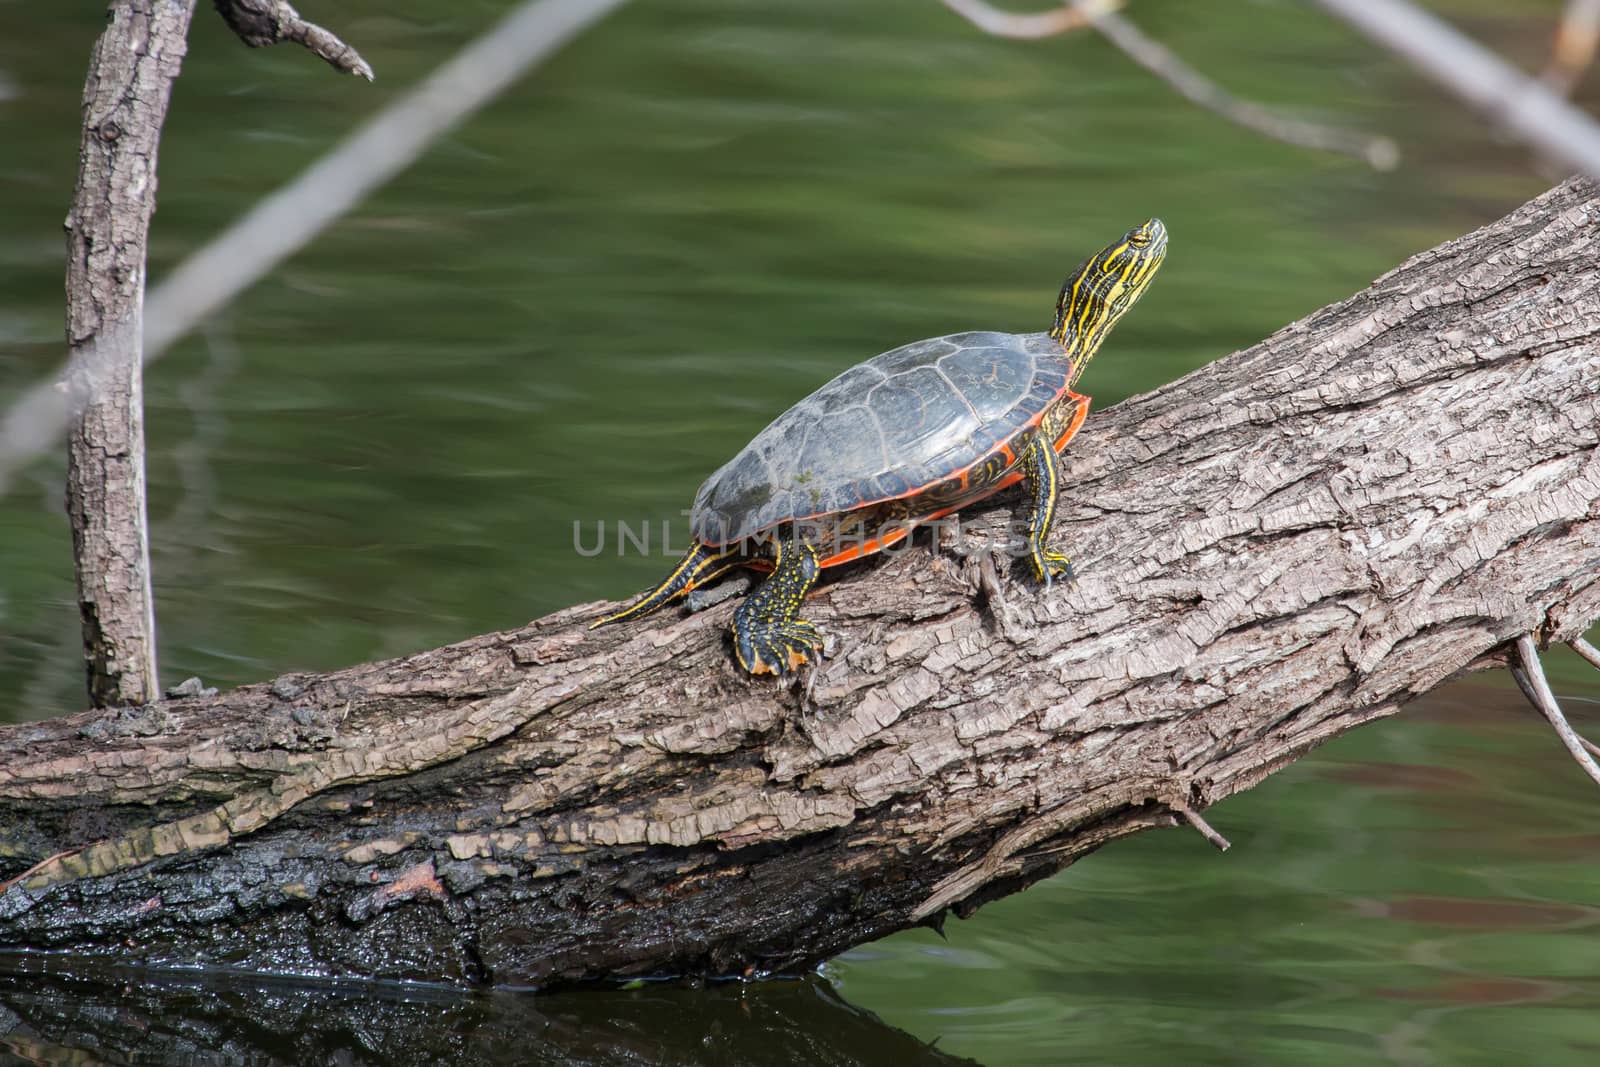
(1282, 546)
(125, 101)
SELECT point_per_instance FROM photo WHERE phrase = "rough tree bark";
(1284, 545)
(135, 61)
(124, 105)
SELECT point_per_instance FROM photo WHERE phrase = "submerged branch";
(1381, 153)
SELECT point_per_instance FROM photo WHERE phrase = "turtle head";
(1101, 291)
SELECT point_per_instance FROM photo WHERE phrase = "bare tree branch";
(1518, 103)
(125, 96)
(1207, 831)
(267, 22)
(997, 23)
(1381, 153)
(1545, 701)
(1574, 48)
(287, 220)
(1525, 684)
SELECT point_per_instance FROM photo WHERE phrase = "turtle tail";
(702, 564)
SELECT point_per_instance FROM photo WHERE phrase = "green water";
(587, 298)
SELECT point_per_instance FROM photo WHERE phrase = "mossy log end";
(1286, 544)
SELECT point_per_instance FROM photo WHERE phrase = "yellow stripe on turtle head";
(1102, 290)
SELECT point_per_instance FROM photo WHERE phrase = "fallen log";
(1282, 546)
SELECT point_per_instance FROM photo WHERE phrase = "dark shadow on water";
(137, 1017)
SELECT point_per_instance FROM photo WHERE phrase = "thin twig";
(1574, 48)
(1529, 110)
(995, 595)
(1545, 701)
(1030, 27)
(287, 220)
(1194, 819)
(1592, 654)
(1381, 153)
(1521, 678)
(267, 22)
(36, 868)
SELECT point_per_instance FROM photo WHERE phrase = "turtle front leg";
(769, 637)
(1042, 475)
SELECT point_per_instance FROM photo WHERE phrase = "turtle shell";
(908, 425)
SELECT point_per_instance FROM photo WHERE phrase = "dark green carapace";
(906, 437)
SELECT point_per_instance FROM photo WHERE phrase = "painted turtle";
(906, 437)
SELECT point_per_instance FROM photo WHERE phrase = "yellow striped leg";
(702, 564)
(769, 637)
(1042, 475)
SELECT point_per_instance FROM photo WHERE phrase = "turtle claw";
(777, 647)
(1048, 566)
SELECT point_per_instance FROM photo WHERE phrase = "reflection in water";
(139, 1017)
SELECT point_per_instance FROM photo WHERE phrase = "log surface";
(1286, 544)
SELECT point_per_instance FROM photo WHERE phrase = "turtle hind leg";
(1042, 475)
(700, 565)
(769, 637)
